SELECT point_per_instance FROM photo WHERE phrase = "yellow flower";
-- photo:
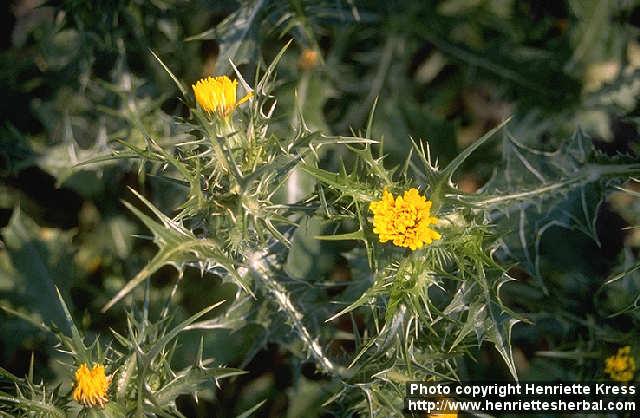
(622, 366)
(404, 220)
(218, 95)
(91, 385)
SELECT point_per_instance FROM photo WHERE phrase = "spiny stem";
(261, 271)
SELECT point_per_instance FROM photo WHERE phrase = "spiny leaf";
(265, 81)
(356, 235)
(370, 294)
(190, 381)
(262, 271)
(233, 35)
(475, 320)
(346, 184)
(249, 412)
(78, 346)
(450, 169)
(177, 246)
(498, 330)
(535, 190)
(32, 319)
(35, 406)
(175, 79)
(170, 335)
(125, 375)
(8, 375)
(38, 265)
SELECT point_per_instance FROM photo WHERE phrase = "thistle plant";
(435, 258)
(131, 376)
(426, 292)
(437, 276)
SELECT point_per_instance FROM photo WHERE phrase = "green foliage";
(140, 367)
(34, 265)
(251, 236)
(535, 190)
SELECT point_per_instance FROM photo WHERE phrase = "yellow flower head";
(622, 366)
(404, 220)
(91, 385)
(218, 95)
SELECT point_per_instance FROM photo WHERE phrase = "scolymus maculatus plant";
(230, 168)
(134, 375)
(427, 261)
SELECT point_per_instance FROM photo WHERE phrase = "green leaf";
(264, 85)
(443, 178)
(249, 412)
(38, 262)
(177, 246)
(235, 35)
(478, 59)
(534, 190)
(76, 344)
(125, 375)
(170, 335)
(190, 381)
(476, 317)
(498, 327)
(36, 406)
(451, 168)
(356, 235)
(113, 410)
(485, 313)
(346, 184)
(377, 289)
(175, 79)
(620, 293)
(32, 319)
(8, 375)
